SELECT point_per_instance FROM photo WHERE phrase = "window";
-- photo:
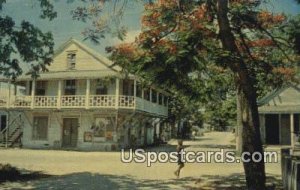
(147, 94)
(70, 87)
(160, 99)
(138, 90)
(154, 96)
(40, 89)
(128, 87)
(101, 88)
(40, 128)
(71, 60)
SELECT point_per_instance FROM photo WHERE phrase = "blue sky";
(63, 27)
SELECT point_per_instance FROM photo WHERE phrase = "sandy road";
(104, 170)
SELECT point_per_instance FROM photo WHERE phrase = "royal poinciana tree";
(187, 44)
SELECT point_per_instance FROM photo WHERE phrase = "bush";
(8, 172)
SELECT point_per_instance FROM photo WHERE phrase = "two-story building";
(82, 102)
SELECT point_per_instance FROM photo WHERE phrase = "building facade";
(280, 117)
(84, 103)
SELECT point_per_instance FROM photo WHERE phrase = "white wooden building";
(82, 103)
(280, 117)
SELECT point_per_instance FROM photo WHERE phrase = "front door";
(70, 132)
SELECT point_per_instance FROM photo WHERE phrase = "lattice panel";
(127, 101)
(22, 101)
(102, 101)
(73, 101)
(45, 101)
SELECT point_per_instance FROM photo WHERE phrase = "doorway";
(70, 132)
(272, 129)
(3, 122)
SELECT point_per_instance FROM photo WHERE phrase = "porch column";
(27, 88)
(8, 95)
(157, 97)
(32, 93)
(117, 92)
(59, 94)
(134, 88)
(134, 92)
(143, 98)
(292, 130)
(87, 93)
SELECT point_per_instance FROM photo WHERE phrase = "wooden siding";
(84, 60)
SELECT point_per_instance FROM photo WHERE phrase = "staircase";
(11, 135)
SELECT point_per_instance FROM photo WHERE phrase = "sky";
(63, 27)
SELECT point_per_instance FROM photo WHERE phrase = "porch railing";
(45, 101)
(74, 101)
(80, 101)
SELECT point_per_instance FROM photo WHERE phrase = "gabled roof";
(108, 63)
(266, 99)
(283, 100)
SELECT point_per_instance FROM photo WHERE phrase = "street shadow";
(86, 180)
(233, 182)
(25, 175)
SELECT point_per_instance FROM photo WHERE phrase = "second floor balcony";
(126, 95)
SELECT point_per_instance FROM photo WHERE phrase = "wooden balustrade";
(79, 101)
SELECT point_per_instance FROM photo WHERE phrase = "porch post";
(8, 95)
(292, 130)
(32, 93)
(157, 97)
(87, 93)
(59, 94)
(143, 92)
(134, 92)
(117, 92)
(134, 88)
(27, 88)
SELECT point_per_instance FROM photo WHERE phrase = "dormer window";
(71, 60)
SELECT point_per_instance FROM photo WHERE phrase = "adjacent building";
(83, 102)
(280, 117)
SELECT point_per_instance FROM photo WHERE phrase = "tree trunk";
(251, 141)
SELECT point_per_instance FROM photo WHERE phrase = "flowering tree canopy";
(194, 46)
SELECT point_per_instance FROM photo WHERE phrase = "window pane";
(70, 87)
(71, 60)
